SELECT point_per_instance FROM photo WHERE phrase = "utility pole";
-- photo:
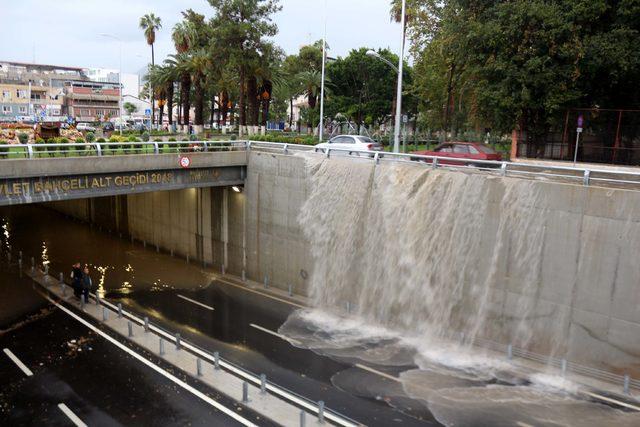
(396, 137)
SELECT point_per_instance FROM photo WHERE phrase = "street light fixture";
(111, 36)
(375, 54)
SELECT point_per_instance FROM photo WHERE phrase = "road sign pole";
(575, 154)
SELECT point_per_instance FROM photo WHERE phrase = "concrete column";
(225, 225)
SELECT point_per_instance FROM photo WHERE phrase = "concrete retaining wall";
(587, 287)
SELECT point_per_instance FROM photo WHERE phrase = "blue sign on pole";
(147, 112)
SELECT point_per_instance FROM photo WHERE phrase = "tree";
(129, 108)
(151, 23)
(239, 27)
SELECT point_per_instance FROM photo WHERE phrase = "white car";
(85, 127)
(356, 143)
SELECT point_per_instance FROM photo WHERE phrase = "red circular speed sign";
(185, 162)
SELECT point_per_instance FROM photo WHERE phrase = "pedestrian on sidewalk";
(86, 284)
(76, 280)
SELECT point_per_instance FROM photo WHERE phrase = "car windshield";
(486, 149)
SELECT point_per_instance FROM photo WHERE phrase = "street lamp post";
(324, 60)
(396, 136)
(119, 79)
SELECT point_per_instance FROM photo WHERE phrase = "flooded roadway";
(244, 327)
(166, 290)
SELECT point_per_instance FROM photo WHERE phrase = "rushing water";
(429, 261)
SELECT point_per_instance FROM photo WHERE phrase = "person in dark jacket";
(76, 280)
(86, 284)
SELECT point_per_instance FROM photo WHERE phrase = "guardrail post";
(244, 276)
(64, 289)
(199, 367)
(290, 290)
(564, 367)
(434, 163)
(178, 345)
(216, 360)
(119, 309)
(105, 314)
(376, 157)
(625, 387)
(98, 149)
(245, 392)
(98, 302)
(328, 152)
(503, 169)
(266, 281)
(302, 418)
(263, 383)
(510, 352)
(321, 412)
(161, 345)
(130, 328)
(61, 277)
(285, 149)
(348, 307)
(30, 151)
(156, 148)
(146, 324)
(586, 177)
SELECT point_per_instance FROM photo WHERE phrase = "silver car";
(351, 144)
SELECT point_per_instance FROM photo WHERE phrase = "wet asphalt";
(225, 329)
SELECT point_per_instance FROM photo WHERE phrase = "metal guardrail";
(585, 176)
(580, 175)
(101, 149)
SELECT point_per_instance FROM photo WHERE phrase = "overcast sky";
(67, 32)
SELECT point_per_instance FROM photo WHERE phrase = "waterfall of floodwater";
(428, 252)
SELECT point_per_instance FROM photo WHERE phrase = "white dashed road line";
(17, 361)
(231, 413)
(374, 371)
(275, 334)
(69, 413)
(195, 302)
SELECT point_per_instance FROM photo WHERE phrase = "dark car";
(108, 127)
(460, 150)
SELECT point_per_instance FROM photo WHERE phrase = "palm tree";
(310, 82)
(184, 36)
(151, 23)
(197, 65)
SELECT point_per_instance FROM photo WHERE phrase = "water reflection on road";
(117, 265)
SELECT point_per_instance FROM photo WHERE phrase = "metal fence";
(608, 136)
(580, 175)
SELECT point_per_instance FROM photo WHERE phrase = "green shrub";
(4, 151)
(90, 137)
(100, 140)
(23, 138)
(157, 139)
(193, 137)
(233, 137)
(132, 139)
(145, 136)
(172, 139)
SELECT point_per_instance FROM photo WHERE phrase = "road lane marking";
(374, 371)
(245, 288)
(195, 302)
(523, 424)
(275, 389)
(610, 400)
(275, 334)
(18, 362)
(156, 368)
(69, 413)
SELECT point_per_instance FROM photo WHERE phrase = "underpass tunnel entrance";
(130, 242)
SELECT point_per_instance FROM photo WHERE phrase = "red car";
(460, 150)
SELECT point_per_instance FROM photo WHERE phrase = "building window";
(23, 109)
(6, 109)
(21, 93)
(6, 94)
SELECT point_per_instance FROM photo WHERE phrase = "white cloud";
(67, 32)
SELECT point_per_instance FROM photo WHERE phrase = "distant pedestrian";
(76, 280)
(86, 284)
